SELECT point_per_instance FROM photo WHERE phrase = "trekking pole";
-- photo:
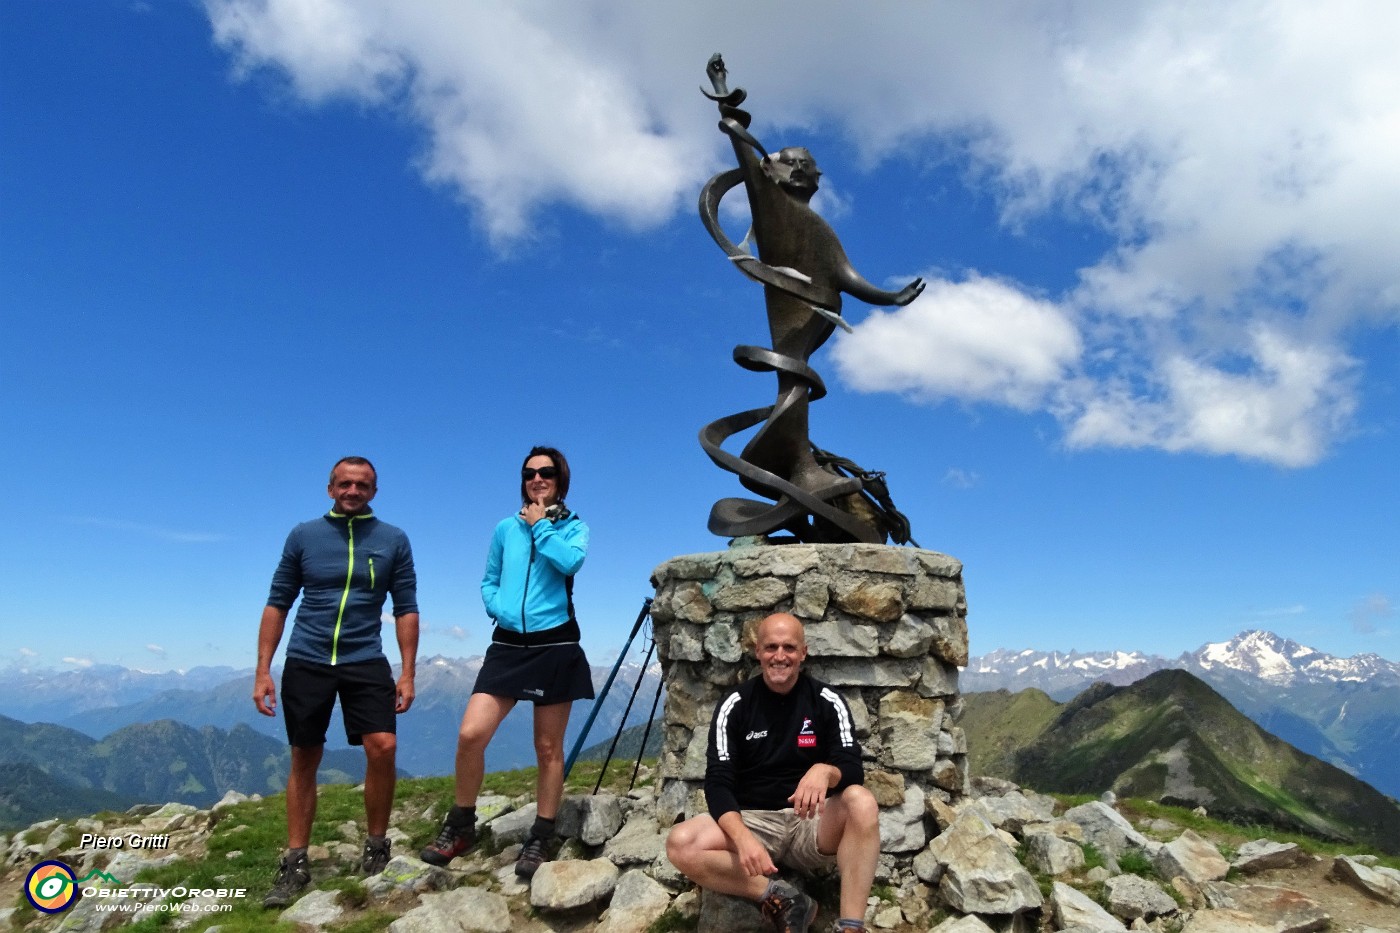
(598, 703)
(646, 733)
(622, 723)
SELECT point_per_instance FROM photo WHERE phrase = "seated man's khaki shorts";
(788, 838)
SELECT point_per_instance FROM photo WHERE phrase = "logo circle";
(51, 887)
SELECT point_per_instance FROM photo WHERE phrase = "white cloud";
(151, 531)
(28, 653)
(1283, 402)
(1367, 614)
(79, 662)
(1296, 609)
(522, 105)
(980, 339)
(960, 478)
(457, 632)
(156, 650)
(1239, 155)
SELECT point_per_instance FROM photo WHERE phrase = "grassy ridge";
(1002, 723)
(198, 766)
(1171, 737)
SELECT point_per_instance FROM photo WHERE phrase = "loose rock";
(564, 885)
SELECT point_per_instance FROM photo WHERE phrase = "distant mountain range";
(1254, 654)
(1345, 711)
(1170, 737)
(48, 770)
(101, 699)
(39, 695)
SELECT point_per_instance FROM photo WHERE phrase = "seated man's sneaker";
(788, 909)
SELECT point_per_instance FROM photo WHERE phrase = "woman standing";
(534, 654)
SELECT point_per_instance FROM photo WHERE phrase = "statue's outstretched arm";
(856, 285)
(745, 143)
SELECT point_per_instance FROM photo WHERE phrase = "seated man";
(783, 784)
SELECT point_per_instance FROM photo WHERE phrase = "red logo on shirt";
(806, 741)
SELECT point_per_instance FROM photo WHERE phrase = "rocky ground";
(1006, 860)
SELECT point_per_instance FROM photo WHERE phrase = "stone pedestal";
(886, 626)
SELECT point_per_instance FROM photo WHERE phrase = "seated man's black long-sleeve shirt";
(762, 743)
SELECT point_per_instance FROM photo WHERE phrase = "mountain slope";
(427, 732)
(46, 770)
(1171, 737)
(28, 794)
(1003, 724)
(193, 745)
(64, 754)
(1345, 711)
(223, 703)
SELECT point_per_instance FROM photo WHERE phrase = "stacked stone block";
(886, 626)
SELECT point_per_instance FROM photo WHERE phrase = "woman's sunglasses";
(528, 474)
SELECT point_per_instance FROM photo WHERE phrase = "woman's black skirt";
(543, 674)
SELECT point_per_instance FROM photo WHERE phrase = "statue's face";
(795, 171)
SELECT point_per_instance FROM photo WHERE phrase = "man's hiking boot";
(375, 857)
(452, 840)
(292, 877)
(788, 909)
(534, 854)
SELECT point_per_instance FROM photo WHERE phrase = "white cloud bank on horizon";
(150, 531)
(1240, 154)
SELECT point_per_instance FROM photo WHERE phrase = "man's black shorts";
(367, 697)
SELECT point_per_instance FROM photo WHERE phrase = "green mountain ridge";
(1352, 725)
(28, 794)
(427, 733)
(1171, 737)
(629, 743)
(48, 770)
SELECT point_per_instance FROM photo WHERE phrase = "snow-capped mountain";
(1342, 710)
(1060, 674)
(1277, 660)
(1255, 654)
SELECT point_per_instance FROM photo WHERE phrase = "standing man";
(783, 783)
(343, 564)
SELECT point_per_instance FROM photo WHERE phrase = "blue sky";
(1149, 397)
